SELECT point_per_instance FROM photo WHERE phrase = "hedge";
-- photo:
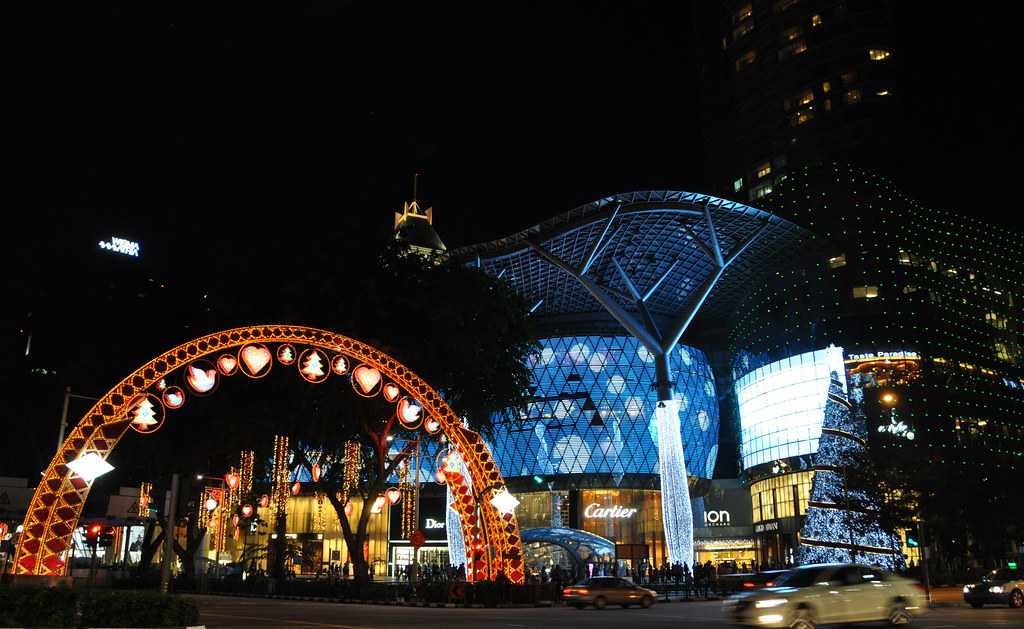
(63, 607)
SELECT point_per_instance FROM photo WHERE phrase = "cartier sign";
(594, 510)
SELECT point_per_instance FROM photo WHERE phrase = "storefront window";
(626, 517)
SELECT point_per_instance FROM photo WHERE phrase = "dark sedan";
(999, 587)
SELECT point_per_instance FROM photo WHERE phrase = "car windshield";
(800, 578)
(1004, 574)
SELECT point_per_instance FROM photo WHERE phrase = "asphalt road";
(226, 612)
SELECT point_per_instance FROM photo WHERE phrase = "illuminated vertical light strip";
(453, 521)
(676, 512)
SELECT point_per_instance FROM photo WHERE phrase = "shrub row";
(64, 607)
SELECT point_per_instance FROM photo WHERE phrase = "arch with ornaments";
(145, 399)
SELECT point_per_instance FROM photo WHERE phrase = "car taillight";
(567, 591)
(770, 584)
(749, 584)
(920, 587)
(583, 591)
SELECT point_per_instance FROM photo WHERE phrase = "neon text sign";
(121, 245)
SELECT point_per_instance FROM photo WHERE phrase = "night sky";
(513, 112)
(198, 131)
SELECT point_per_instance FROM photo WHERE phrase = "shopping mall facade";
(918, 311)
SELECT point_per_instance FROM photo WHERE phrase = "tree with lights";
(842, 522)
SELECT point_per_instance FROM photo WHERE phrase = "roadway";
(238, 613)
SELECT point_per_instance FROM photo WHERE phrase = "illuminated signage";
(901, 355)
(121, 245)
(594, 510)
(766, 526)
(717, 518)
(897, 428)
(434, 524)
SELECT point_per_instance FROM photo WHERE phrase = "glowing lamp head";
(211, 504)
(504, 502)
(90, 466)
(888, 397)
(231, 480)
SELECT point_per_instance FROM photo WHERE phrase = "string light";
(279, 491)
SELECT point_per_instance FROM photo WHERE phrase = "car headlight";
(967, 589)
(996, 589)
(770, 602)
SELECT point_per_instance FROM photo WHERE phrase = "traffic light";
(912, 542)
(538, 479)
(92, 534)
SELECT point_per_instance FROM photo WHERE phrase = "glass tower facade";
(593, 412)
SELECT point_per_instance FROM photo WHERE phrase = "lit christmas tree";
(314, 366)
(842, 523)
(145, 418)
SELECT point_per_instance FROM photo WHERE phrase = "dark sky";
(513, 111)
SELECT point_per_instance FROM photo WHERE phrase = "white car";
(827, 594)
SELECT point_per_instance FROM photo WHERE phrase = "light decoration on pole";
(675, 487)
(352, 463)
(378, 504)
(504, 502)
(245, 472)
(90, 466)
(144, 498)
(280, 477)
(211, 503)
(408, 500)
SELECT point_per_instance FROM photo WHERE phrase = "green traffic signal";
(538, 479)
(912, 542)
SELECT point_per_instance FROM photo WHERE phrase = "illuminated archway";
(491, 537)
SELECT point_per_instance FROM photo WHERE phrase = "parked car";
(1000, 587)
(603, 591)
(829, 593)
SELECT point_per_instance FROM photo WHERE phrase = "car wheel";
(1016, 599)
(898, 614)
(600, 602)
(802, 619)
(977, 605)
(646, 602)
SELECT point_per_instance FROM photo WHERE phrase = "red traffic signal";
(92, 533)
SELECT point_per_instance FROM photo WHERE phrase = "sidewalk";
(948, 596)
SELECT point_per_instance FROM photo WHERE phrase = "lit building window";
(905, 258)
(1002, 353)
(865, 292)
(838, 261)
(761, 191)
(910, 289)
(806, 98)
(995, 320)
(878, 54)
(746, 60)
(852, 97)
(801, 117)
(882, 93)
(826, 87)
(737, 185)
(742, 29)
(764, 170)
(816, 20)
(745, 12)
(792, 50)
(792, 34)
